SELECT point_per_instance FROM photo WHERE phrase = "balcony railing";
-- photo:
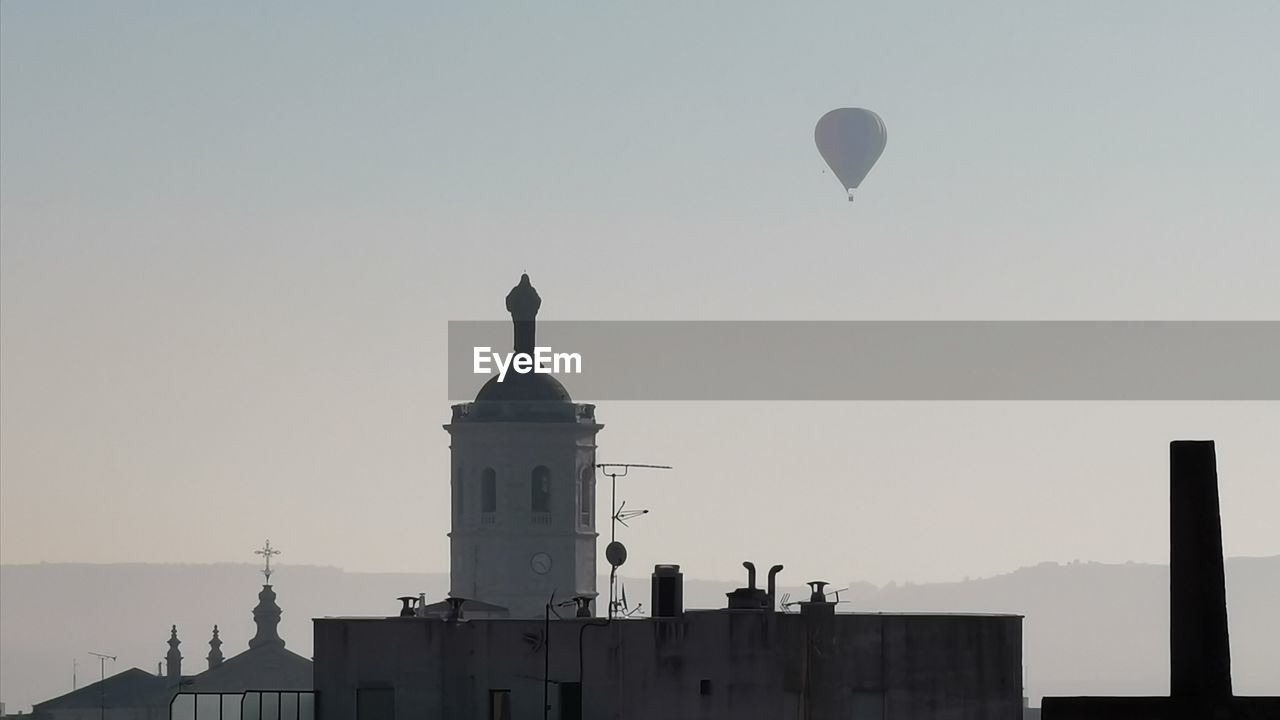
(541, 518)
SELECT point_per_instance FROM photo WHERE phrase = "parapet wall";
(703, 664)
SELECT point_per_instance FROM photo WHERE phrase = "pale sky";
(232, 237)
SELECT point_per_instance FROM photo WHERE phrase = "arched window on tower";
(586, 499)
(488, 494)
(540, 491)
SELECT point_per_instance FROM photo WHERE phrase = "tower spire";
(215, 649)
(523, 303)
(267, 614)
(173, 659)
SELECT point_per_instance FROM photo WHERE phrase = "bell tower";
(523, 485)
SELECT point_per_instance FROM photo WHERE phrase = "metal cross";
(266, 552)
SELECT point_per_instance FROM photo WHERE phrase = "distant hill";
(1090, 628)
(1094, 628)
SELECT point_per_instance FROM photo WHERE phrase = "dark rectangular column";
(1200, 654)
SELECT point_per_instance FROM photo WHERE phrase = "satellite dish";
(616, 553)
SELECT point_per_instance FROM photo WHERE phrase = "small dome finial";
(267, 617)
(215, 649)
(173, 659)
(523, 303)
(523, 300)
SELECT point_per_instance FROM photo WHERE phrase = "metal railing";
(249, 705)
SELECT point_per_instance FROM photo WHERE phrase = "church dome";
(524, 387)
(523, 303)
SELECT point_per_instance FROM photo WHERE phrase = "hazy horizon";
(232, 242)
(1088, 628)
(737, 576)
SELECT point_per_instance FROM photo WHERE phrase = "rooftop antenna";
(102, 663)
(787, 603)
(627, 610)
(619, 514)
(102, 690)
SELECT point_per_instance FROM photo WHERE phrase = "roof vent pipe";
(750, 597)
(817, 591)
(406, 605)
(773, 587)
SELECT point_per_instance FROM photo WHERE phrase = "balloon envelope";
(850, 140)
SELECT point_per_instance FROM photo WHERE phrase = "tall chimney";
(1200, 656)
(666, 591)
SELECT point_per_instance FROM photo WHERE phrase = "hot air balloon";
(850, 140)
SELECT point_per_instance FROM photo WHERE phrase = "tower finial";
(173, 659)
(266, 615)
(266, 552)
(523, 303)
(215, 649)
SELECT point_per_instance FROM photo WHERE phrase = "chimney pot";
(667, 591)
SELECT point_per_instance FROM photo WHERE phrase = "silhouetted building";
(129, 695)
(523, 486)
(267, 664)
(139, 695)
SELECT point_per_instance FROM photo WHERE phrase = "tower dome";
(524, 387)
(534, 395)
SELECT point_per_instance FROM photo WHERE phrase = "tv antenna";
(102, 663)
(787, 603)
(627, 610)
(102, 690)
(616, 551)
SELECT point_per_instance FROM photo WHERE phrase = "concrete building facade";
(136, 694)
(707, 664)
